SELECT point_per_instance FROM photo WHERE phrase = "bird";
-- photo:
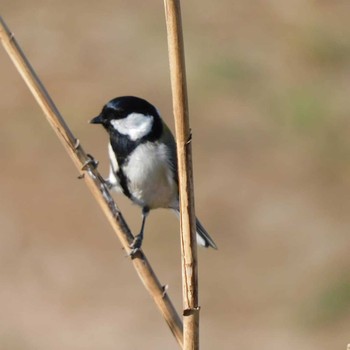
(143, 160)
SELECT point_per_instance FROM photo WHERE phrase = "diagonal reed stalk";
(184, 155)
(93, 180)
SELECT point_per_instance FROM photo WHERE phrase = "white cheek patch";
(135, 125)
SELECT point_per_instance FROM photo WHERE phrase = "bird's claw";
(133, 252)
(135, 245)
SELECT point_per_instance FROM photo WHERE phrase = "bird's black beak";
(96, 120)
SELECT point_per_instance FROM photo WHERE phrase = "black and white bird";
(143, 163)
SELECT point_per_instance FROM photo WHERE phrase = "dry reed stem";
(93, 180)
(184, 155)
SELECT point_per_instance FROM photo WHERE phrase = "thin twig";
(93, 180)
(184, 155)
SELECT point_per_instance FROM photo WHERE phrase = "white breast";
(151, 181)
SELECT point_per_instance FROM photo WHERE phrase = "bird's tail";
(203, 238)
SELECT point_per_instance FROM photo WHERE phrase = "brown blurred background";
(269, 101)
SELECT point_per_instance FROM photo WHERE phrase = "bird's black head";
(130, 116)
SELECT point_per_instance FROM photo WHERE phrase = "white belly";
(151, 181)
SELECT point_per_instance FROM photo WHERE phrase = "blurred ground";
(269, 89)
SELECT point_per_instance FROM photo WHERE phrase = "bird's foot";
(135, 245)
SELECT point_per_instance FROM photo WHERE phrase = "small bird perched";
(143, 161)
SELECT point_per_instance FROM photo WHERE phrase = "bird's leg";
(137, 242)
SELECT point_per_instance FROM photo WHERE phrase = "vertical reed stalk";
(184, 156)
